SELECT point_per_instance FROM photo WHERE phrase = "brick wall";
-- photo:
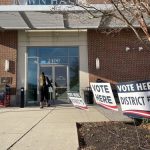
(6, 2)
(8, 50)
(117, 65)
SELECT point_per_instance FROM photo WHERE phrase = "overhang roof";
(49, 17)
(47, 20)
(22, 17)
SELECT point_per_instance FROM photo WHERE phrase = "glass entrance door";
(58, 74)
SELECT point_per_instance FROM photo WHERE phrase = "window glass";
(52, 52)
(32, 79)
(74, 78)
(73, 51)
(74, 73)
(58, 60)
(44, 60)
(32, 52)
(51, 55)
(73, 61)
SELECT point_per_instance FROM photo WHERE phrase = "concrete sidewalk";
(52, 128)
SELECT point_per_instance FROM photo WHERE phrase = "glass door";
(47, 71)
(61, 83)
(58, 74)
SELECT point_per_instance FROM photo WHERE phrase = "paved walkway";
(113, 115)
(53, 128)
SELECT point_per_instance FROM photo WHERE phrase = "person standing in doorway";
(44, 86)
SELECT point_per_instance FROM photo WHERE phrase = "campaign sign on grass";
(76, 100)
(134, 98)
(103, 95)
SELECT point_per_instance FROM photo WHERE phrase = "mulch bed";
(113, 136)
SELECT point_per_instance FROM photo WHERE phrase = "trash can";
(88, 95)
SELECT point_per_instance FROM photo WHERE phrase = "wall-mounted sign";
(76, 100)
(103, 95)
(46, 2)
(135, 98)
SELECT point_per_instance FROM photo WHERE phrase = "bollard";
(22, 98)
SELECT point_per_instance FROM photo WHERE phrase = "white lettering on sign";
(132, 100)
(104, 99)
(50, 2)
(128, 87)
(135, 98)
(63, 2)
(76, 100)
(103, 95)
(101, 88)
(31, 2)
(143, 86)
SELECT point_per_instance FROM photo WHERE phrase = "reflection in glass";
(74, 73)
(61, 76)
(74, 78)
(53, 51)
(61, 93)
(73, 61)
(73, 51)
(32, 52)
(47, 71)
(44, 60)
(32, 80)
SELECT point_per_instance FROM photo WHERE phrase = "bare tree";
(134, 14)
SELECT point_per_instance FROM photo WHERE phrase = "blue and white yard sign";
(135, 98)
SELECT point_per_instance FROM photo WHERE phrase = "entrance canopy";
(49, 17)
(46, 17)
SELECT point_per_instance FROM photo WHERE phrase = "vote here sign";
(135, 98)
(76, 100)
(103, 95)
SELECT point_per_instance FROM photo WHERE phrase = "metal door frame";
(53, 77)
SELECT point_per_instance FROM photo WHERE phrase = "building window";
(51, 56)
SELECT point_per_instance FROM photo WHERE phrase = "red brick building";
(118, 64)
(66, 47)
